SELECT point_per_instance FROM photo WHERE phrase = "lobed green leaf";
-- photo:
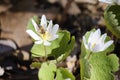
(63, 74)
(36, 64)
(47, 71)
(59, 49)
(112, 19)
(99, 65)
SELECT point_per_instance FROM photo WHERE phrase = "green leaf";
(36, 64)
(112, 19)
(59, 49)
(99, 65)
(47, 71)
(84, 64)
(66, 46)
(102, 66)
(38, 50)
(63, 74)
(84, 69)
(113, 59)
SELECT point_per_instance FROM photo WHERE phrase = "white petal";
(43, 22)
(38, 42)
(46, 43)
(35, 25)
(84, 41)
(97, 47)
(53, 37)
(94, 38)
(107, 1)
(118, 2)
(97, 32)
(55, 29)
(103, 37)
(107, 44)
(96, 35)
(33, 35)
(90, 37)
(90, 46)
(49, 28)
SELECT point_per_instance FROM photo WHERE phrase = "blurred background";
(76, 16)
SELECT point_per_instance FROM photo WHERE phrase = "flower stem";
(89, 55)
(45, 53)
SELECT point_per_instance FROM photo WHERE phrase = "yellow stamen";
(44, 34)
(42, 30)
(93, 45)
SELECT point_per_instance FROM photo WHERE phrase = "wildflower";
(44, 33)
(1, 71)
(111, 2)
(96, 41)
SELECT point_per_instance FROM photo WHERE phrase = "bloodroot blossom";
(96, 41)
(111, 2)
(45, 32)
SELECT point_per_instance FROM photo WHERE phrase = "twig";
(45, 53)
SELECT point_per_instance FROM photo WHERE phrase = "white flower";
(111, 2)
(96, 41)
(1, 71)
(45, 32)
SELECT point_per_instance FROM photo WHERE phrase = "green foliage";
(102, 66)
(38, 50)
(63, 74)
(83, 49)
(85, 69)
(59, 49)
(112, 19)
(30, 25)
(47, 71)
(109, 49)
(66, 46)
(36, 64)
(99, 65)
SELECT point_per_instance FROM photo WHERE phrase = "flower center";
(93, 45)
(42, 30)
(45, 35)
